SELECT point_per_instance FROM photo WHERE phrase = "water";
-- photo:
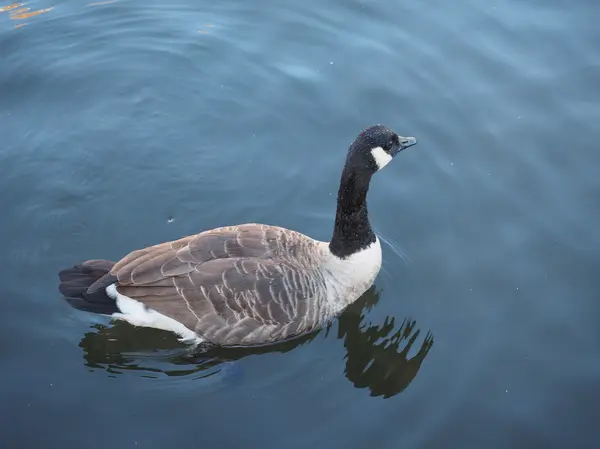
(124, 124)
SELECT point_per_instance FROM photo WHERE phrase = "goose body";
(249, 284)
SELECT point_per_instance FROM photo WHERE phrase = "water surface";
(128, 123)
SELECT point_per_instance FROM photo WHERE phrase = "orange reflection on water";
(27, 15)
(10, 7)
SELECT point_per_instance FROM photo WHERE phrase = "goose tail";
(84, 285)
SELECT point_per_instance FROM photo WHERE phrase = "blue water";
(124, 124)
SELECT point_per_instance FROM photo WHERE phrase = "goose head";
(375, 147)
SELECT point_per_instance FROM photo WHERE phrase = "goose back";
(236, 285)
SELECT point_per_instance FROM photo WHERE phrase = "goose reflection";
(377, 355)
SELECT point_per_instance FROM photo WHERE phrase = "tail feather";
(83, 286)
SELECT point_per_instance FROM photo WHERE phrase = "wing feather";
(239, 285)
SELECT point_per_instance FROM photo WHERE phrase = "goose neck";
(352, 231)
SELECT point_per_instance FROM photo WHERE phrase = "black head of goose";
(249, 284)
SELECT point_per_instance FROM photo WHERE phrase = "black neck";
(352, 231)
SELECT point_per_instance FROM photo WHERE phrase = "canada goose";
(250, 284)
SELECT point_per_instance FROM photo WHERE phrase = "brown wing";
(239, 285)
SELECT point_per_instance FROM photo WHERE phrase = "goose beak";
(406, 142)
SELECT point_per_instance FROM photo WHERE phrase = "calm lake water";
(127, 123)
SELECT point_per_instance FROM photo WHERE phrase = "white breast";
(347, 279)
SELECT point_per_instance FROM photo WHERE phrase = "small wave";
(396, 248)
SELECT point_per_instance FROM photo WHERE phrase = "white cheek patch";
(382, 158)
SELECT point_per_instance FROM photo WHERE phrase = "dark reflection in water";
(377, 355)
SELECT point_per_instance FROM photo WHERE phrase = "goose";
(250, 284)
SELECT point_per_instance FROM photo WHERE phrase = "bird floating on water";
(249, 284)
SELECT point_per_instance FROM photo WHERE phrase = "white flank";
(349, 278)
(382, 158)
(136, 313)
